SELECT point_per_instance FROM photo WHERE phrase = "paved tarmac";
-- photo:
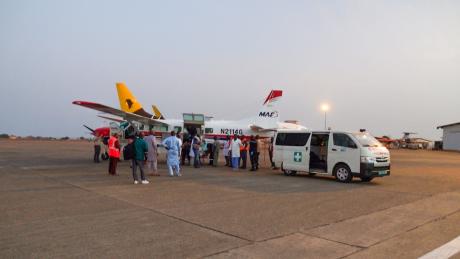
(56, 203)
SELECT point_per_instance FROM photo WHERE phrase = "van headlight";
(368, 159)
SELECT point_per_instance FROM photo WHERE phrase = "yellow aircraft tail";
(157, 113)
(128, 102)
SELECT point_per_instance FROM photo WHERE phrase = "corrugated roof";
(448, 125)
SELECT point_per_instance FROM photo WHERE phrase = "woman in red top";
(114, 154)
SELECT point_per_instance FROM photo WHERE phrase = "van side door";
(297, 151)
(343, 149)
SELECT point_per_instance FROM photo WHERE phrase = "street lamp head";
(325, 107)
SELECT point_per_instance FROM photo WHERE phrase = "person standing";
(210, 153)
(179, 138)
(140, 153)
(227, 143)
(185, 152)
(244, 153)
(195, 147)
(270, 153)
(235, 149)
(171, 144)
(152, 154)
(253, 148)
(215, 152)
(259, 146)
(97, 149)
(203, 151)
(114, 153)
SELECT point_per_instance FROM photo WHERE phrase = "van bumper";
(369, 170)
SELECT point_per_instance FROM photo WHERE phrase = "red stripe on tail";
(273, 94)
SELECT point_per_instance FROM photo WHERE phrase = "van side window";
(292, 139)
(280, 139)
(343, 140)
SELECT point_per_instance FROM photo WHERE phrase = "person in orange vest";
(244, 153)
(114, 154)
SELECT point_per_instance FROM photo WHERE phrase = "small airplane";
(264, 124)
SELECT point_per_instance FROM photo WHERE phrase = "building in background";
(451, 136)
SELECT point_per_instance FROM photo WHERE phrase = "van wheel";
(311, 174)
(289, 172)
(343, 173)
(367, 178)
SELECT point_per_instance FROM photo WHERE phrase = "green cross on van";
(298, 157)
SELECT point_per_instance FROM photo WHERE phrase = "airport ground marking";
(445, 251)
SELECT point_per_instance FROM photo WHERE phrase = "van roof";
(293, 130)
(314, 131)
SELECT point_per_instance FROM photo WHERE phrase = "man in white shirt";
(227, 143)
(171, 144)
(179, 138)
(235, 149)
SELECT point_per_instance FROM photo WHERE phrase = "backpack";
(129, 152)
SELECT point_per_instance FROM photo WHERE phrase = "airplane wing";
(260, 129)
(110, 118)
(125, 115)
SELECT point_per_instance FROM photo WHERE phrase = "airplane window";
(199, 118)
(188, 117)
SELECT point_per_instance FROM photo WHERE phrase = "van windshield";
(367, 140)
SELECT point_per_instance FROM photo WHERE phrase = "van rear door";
(297, 151)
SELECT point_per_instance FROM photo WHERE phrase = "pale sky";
(387, 66)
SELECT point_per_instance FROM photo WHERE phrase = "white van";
(334, 153)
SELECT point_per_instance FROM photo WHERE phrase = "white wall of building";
(451, 138)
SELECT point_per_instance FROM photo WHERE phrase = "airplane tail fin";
(128, 102)
(268, 116)
(157, 114)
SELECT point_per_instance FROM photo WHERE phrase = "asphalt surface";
(56, 203)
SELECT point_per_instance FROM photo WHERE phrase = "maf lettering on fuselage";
(273, 114)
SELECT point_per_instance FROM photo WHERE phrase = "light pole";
(325, 108)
